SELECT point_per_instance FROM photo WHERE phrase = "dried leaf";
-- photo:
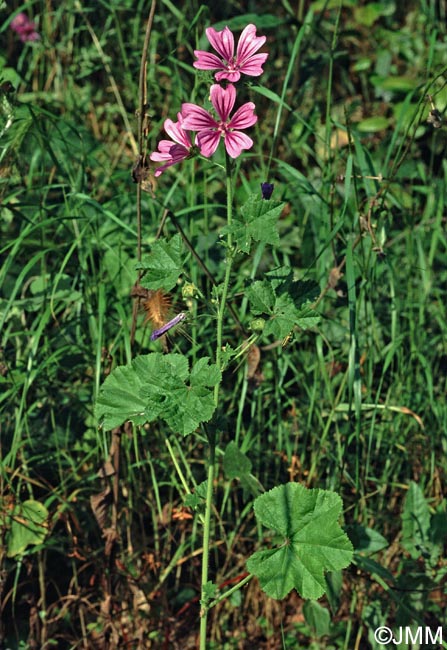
(253, 359)
(100, 504)
(106, 470)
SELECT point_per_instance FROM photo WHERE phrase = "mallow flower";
(230, 65)
(173, 151)
(209, 130)
(25, 28)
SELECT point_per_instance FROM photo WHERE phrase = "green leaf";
(251, 485)
(317, 617)
(263, 21)
(438, 526)
(366, 539)
(119, 398)
(227, 354)
(373, 124)
(395, 84)
(29, 526)
(415, 521)
(307, 318)
(272, 96)
(313, 540)
(192, 501)
(334, 585)
(261, 297)
(163, 264)
(285, 301)
(257, 222)
(369, 14)
(202, 374)
(372, 567)
(237, 465)
(209, 592)
(159, 386)
(235, 462)
(281, 323)
(303, 292)
(202, 489)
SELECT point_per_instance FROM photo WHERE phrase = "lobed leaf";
(313, 541)
(159, 386)
(256, 222)
(163, 264)
(285, 301)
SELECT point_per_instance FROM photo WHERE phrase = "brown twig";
(140, 166)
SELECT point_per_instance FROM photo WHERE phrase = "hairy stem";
(211, 435)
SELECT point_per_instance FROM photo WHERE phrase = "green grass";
(356, 404)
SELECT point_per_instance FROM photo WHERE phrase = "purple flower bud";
(267, 190)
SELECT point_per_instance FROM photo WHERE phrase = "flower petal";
(223, 42)
(229, 76)
(248, 44)
(24, 28)
(207, 61)
(196, 118)
(177, 133)
(163, 153)
(178, 153)
(253, 65)
(208, 141)
(235, 141)
(168, 150)
(244, 117)
(159, 157)
(19, 21)
(223, 100)
(159, 171)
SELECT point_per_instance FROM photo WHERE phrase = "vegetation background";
(351, 108)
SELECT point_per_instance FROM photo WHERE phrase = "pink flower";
(25, 28)
(245, 61)
(210, 130)
(175, 150)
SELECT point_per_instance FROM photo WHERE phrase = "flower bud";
(257, 325)
(267, 190)
(189, 290)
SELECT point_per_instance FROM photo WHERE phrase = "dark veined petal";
(232, 76)
(235, 142)
(248, 44)
(244, 117)
(164, 147)
(177, 133)
(253, 65)
(223, 100)
(207, 61)
(208, 141)
(223, 42)
(196, 118)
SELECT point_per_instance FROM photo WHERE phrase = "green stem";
(226, 282)
(206, 542)
(228, 593)
(205, 606)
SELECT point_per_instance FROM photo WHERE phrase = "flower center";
(231, 65)
(222, 128)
